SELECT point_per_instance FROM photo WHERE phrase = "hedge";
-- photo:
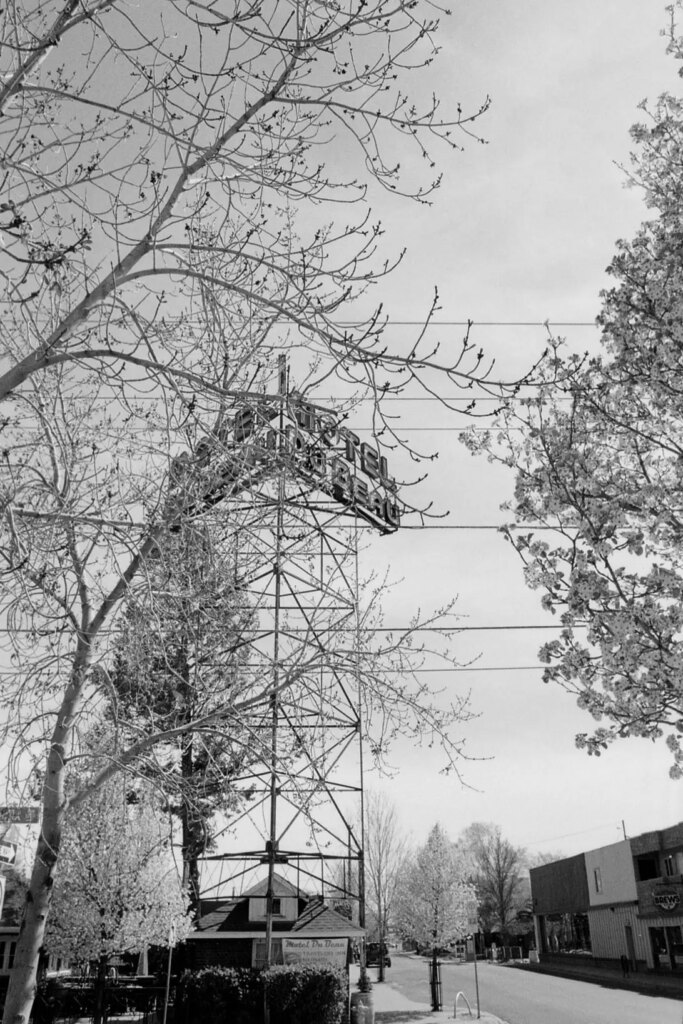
(297, 994)
(306, 994)
(217, 994)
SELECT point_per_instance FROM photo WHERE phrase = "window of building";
(566, 933)
(670, 865)
(648, 866)
(598, 879)
(277, 905)
(259, 952)
(3, 946)
(10, 958)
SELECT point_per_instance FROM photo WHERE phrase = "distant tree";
(599, 468)
(497, 870)
(118, 888)
(434, 899)
(385, 853)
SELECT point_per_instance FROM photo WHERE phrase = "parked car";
(372, 955)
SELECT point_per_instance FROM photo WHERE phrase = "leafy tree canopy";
(118, 887)
(434, 902)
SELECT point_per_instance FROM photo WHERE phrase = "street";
(521, 998)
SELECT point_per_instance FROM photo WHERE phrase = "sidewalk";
(646, 982)
(391, 1007)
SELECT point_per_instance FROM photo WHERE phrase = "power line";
(44, 634)
(569, 835)
(476, 323)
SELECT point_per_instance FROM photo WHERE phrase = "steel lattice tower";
(303, 497)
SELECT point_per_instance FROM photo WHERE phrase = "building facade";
(304, 930)
(625, 899)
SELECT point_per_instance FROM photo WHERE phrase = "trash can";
(362, 1008)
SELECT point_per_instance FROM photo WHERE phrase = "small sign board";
(8, 852)
(472, 916)
(315, 951)
(666, 900)
(3, 886)
(18, 814)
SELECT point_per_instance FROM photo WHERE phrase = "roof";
(318, 917)
(281, 887)
(232, 915)
(314, 916)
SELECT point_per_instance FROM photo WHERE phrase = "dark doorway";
(659, 950)
(630, 948)
(673, 941)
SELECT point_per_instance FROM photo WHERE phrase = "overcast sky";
(522, 230)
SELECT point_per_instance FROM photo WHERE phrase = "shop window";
(648, 866)
(567, 933)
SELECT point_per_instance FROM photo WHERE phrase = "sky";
(520, 232)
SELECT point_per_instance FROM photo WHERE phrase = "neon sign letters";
(350, 470)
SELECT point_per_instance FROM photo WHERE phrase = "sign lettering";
(19, 815)
(315, 951)
(666, 900)
(350, 470)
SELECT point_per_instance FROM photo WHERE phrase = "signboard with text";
(315, 951)
(330, 455)
(19, 815)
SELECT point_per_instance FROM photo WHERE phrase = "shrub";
(217, 994)
(306, 994)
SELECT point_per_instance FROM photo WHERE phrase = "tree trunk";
(100, 992)
(22, 982)
(188, 812)
(380, 915)
(189, 848)
(434, 981)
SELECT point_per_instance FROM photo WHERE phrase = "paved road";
(520, 998)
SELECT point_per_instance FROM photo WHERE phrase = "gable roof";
(281, 887)
(314, 916)
(318, 917)
(232, 915)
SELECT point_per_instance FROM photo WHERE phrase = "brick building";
(625, 899)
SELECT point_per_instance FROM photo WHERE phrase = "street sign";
(8, 852)
(18, 814)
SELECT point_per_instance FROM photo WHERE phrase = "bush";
(303, 994)
(217, 994)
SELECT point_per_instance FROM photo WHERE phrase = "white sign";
(3, 884)
(8, 852)
(315, 951)
(472, 916)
